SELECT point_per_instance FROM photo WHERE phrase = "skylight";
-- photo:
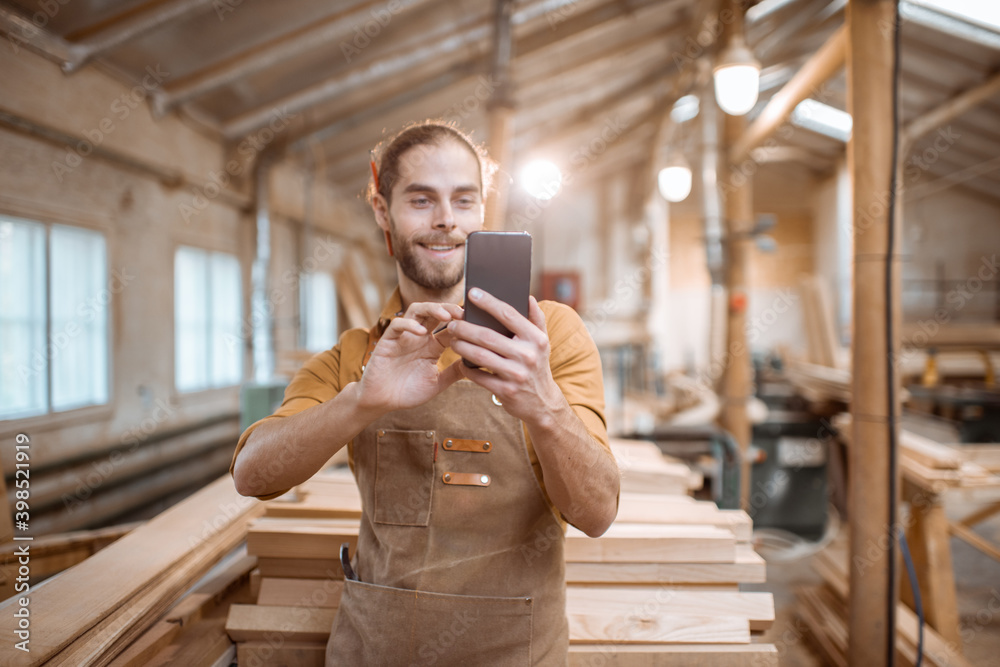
(684, 109)
(982, 12)
(824, 119)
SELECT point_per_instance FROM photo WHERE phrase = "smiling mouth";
(441, 247)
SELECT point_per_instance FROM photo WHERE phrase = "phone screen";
(498, 263)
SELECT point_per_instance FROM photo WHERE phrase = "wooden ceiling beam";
(950, 110)
(796, 26)
(367, 109)
(396, 62)
(21, 31)
(472, 44)
(825, 63)
(130, 25)
(614, 98)
(271, 53)
(578, 25)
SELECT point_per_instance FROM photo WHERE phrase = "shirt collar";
(392, 308)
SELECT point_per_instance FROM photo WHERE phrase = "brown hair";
(429, 132)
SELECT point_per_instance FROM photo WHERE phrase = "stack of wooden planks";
(824, 611)
(94, 612)
(644, 469)
(818, 383)
(662, 584)
(52, 554)
(938, 467)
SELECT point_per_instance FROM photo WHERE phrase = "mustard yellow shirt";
(573, 358)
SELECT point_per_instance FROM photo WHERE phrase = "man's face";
(436, 202)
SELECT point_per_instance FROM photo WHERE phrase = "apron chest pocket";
(404, 477)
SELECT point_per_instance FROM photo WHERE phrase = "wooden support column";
(870, 82)
(501, 116)
(737, 202)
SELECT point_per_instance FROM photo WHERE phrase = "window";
(54, 299)
(208, 339)
(318, 305)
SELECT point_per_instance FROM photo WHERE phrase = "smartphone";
(498, 263)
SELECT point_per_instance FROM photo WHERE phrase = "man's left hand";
(519, 374)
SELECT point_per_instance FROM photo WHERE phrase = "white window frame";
(306, 279)
(210, 381)
(103, 396)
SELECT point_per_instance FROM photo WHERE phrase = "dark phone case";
(499, 263)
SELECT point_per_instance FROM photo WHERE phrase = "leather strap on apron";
(452, 573)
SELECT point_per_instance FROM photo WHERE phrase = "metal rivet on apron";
(486, 446)
(447, 477)
(495, 401)
(448, 443)
(429, 434)
(485, 479)
(381, 433)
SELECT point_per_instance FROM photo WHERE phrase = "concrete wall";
(951, 242)
(160, 183)
(948, 245)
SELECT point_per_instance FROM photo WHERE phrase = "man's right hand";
(403, 369)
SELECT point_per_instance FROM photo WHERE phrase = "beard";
(421, 270)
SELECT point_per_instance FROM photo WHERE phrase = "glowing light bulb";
(674, 180)
(737, 79)
(541, 179)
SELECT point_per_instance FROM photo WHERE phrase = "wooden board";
(831, 565)
(113, 578)
(104, 641)
(635, 603)
(205, 642)
(188, 611)
(824, 615)
(287, 654)
(304, 568)
(673, 655)
(649, 543)
(314, 507)
(600, 626)
(291, 538)
(986, 455)
(289, 592)
(662, 508)
(747, 567)
(249, 622)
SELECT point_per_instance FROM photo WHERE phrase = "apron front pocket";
(404, 477)
(381, 625)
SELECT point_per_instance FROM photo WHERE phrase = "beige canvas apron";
(459, 556)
